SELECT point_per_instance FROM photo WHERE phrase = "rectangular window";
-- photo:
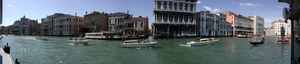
(141, 24)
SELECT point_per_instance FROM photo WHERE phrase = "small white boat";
(78, 41)
(204, 41)
(41, 38)
(135, 43)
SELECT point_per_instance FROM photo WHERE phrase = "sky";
(13, 10)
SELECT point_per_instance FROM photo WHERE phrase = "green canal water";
(229, 50)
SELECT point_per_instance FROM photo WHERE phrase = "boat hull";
(79, 41)
(138, 45)
(195, 43)
(256, 43)
(41, 38)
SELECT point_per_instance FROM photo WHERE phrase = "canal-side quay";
(229, 50)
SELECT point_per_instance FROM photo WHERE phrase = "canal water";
(229, 50)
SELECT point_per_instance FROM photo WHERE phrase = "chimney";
(85, 12)
(75, 14)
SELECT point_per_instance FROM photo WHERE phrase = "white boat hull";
(79, 41)
(137, 45)
(195, 43)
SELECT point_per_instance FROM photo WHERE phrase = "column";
(190, 32)
(155, 4)
(183, 6)
(189, 6)
(162, 17)
(167, 15)
(292, 39)
(183, 19)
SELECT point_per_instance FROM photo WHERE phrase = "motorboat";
(244, 36)
(204, 41)
(137, 44)
(78, 41)
(41, 38)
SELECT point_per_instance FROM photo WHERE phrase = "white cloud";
(233, 2)
(249, 4)
(198, 2)
(214, 10)
(10, 5)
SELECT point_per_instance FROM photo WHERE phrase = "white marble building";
(277, 24)
(210, 24)
(26, 26)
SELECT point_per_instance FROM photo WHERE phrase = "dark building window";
(158, 5)
(165, 5)
(142, 24)
(180, 18)
(171, 18)
(185, 18)
(170, 5)
(159, 17)
(175, 18)
(175, 6)
(186, 7)
(180, 6)
(192, 7)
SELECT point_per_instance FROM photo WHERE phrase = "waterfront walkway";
(6, 58)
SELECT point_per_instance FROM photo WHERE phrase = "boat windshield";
(150, 39)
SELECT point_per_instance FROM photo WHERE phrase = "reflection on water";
(229, 50)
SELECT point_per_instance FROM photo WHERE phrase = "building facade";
(277, 24)
(225, 28)
(68, 25)
(210, 24)
(96, 21)
(241, 25)
(116, 21)
(26, 26)
(137, 27)
(258, 25)
(269, 31)
(174, 18)
(47, 24)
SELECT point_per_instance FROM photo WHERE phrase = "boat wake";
(184, 45)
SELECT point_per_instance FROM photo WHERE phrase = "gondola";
(256, 42)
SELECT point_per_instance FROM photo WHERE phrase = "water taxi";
(136, 43)
(204, 41)
(78, 41)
